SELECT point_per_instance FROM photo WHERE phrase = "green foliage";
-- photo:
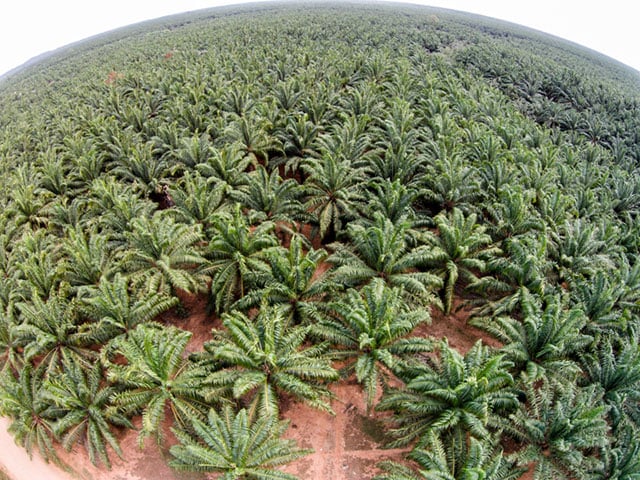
(460, 251)
(264, 357)
(157, 378)
(82, 412)
(560, 429)
(438, 461)
(372, 327)
(229, 152)
(236, 445)
(451, 395)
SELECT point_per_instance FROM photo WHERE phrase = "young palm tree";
(198, 201)
(89, 257)
(80, 405)
(382, 250)
(225, 168)
(520, 272)
(437, 461)
(157, 378)
(21, 400)
(453, 396)
(164, 254)
(236, 446)
(116, 310)
(264, 356)
(237, 254)
(271, 197)
(371, 327)
(545, 341)
(333, 188)
(293, 283)
(615, 367)
(512, 215)
(560, 429)
(49, 332)
(461, 249)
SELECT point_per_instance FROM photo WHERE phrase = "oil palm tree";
(237, 257)
(271, 197)
(50, 332)
(332, 188)
(116, 310)
(88, 257)
(225, 168)
(31, 425)
(236, 445)
(293, 282)
(164, 254)
(614, 367)
(263, 357)
(521, 271)
(437, 461)
(560, 430)
(544, 342)
(371, 327)
(383, 250)
(80, 406)
(157, 378)
(460, 251)
(453, 396)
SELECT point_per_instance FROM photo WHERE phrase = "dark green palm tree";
(294, 282)
(521, 271)
(615, 367)
(372, 328)
(460, 251)
(560, 430)
(164, 254)
(544, 342)
(198, 200)
(393, 200)
(263, 357)
(436, 461)
(512, 214)
(383, 250)
(451, 395)
(157, 378)
(80, 403)
(237, 257)
(236, 446)
(449, 181)
(225, 168)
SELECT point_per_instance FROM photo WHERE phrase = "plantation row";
(327, 176)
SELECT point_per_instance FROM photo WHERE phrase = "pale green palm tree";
(452, 395)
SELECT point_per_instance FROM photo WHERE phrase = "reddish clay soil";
(347, 445)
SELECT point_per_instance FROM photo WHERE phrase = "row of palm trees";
(325, 201)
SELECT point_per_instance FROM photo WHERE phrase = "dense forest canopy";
(329, 176)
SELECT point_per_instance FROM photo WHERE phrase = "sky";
(31, 27)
